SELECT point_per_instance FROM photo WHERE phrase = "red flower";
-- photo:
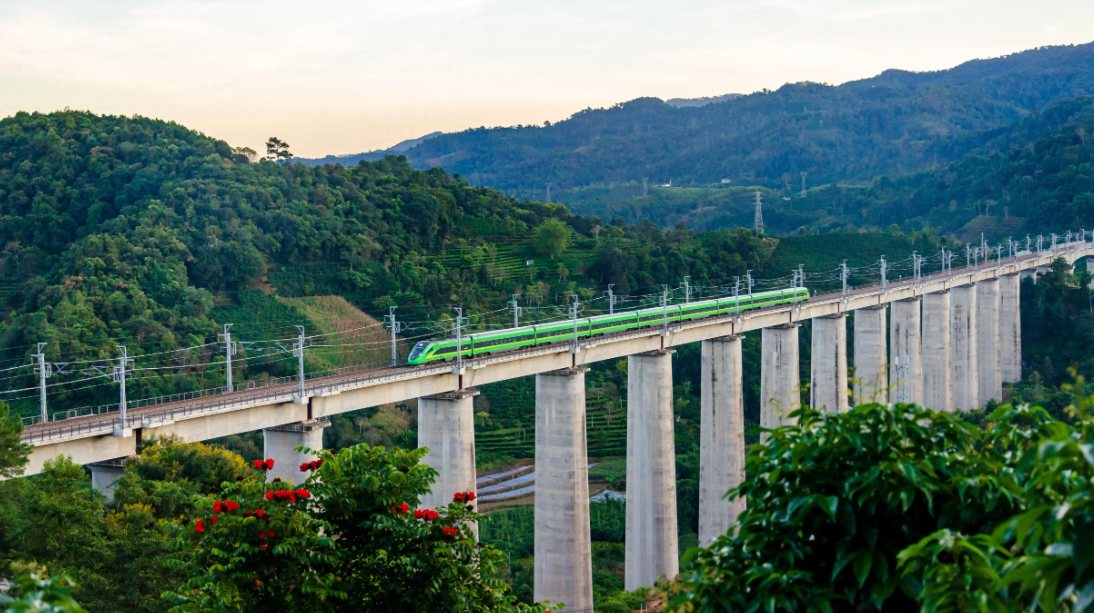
(262, 535)
(313, 465)
(231, 505)
(404, 507)
(418, 514)
(395, 510)
(304, 467)
(457, 497)
(269, 464)
(303, 494)
(199, 526)
(319, 462)
(250, 513)
(214, 520)
(217, 507)
(259, 464)
(270, 495)
(431, 515)
(269, 533)
(262, 546)
(261, 514)
(259, 584)
(450, 531)
(470, 495)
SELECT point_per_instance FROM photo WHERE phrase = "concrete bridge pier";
(105, 475)
(446, 426)
(871, 357)
(988, 341)
(652, 548)
(905, 365)
(966, 390)
(1010, 327)
(937, 368)
(828, 364)
(279, 443)
(721, 437)
(780, 387)
(563, 544)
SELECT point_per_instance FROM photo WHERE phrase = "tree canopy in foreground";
(900, 508)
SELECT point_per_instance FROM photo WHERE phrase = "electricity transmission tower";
(758, 221)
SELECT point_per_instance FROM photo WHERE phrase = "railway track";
(107, 421)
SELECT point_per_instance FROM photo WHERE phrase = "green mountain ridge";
(139, 232)
(1032, 177)
(896, 123)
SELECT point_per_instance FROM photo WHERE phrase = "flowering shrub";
(426, 514)
(463, 497)
(348, 539)
(250, 553)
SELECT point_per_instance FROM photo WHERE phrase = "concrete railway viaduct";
(965, 320)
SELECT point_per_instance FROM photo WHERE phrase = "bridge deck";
(279, 404)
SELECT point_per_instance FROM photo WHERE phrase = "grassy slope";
(360, 340)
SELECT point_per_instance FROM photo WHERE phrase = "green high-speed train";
(563, 331)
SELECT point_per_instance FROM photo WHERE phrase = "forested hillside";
(139, 232)
(1036, 176)
(898, 122)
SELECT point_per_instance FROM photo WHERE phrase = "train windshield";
(418, 349)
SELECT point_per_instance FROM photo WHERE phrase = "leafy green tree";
(277, 150)
(168, 473)
(137, 571)
(37, 594)
(348, 539)
(1041, 558)
(552, 238)
(900, 508)
(833, 503)
(13, 451)
(60, 526)
(245, 154)
(248, 553)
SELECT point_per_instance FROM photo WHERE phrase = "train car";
(482, 343)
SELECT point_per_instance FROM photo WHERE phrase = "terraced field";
(605, 423)
(514, 257)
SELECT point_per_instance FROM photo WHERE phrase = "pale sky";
(340, 76)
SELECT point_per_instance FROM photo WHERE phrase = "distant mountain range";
(369, 156)
(896, 123)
